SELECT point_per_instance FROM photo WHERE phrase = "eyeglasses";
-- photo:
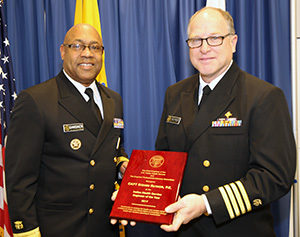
(211, 41)
(94, 48)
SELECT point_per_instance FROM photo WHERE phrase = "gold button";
(206, 163)
(91, 210)
(205, 188)
(92, 186)
(92, 162)
(206, 214)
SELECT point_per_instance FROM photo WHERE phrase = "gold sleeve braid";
(120, 159)
(235, 196)
(36, 232)
(33, 233)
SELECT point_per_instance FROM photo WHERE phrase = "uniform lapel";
(109, 112)
(217, 102)
(73, 102)
(188, 103)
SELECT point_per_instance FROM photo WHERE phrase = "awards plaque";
(151, 182)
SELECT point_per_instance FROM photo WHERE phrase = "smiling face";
(83, 65)
(211, 61)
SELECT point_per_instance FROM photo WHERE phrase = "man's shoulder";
(256, 83)
(43, 85)
(42, 90)
(188, 84)
(108, 92)
(257, 89)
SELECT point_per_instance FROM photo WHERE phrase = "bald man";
(62, 140)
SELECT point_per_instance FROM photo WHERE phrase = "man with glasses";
(64, 146)
(237, 131)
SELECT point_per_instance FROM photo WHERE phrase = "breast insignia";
(75, 144)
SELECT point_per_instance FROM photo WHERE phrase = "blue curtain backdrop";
(146, 52)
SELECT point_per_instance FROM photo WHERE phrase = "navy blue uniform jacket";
(60, 177)
(242, 166)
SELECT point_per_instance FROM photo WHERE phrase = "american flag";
(7, 97)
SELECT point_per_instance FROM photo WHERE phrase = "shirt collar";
(81, 88)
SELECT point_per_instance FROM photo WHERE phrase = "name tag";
(73, 127)
(173, 119)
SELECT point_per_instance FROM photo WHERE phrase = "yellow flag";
(87, 11)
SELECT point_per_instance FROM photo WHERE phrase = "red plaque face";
(151, 183)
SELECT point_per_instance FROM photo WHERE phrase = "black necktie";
(206, 91)
(93, 105)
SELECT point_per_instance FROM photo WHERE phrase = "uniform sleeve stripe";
(227, 202)
(32, 233)
(232, 200)
(238, 197)
(244, 195)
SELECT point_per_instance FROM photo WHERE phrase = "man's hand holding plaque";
(187, 208)
(114, 221)
(151, 183)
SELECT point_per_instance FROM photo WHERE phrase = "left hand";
(123, 167)
(186, 209)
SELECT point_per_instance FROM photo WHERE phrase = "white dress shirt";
(81, 88)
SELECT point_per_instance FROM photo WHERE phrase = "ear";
(62, 52)
(233, 42)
